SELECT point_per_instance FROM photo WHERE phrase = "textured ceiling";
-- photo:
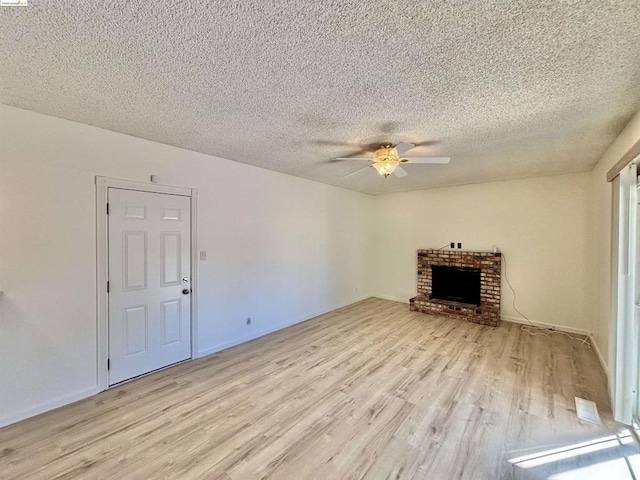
(507, 89)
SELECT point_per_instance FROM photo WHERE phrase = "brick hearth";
(490, 265)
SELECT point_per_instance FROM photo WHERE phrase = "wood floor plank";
(371, 390)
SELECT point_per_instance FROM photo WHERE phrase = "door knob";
(186, 291)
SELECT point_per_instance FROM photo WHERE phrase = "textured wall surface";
(508, 89)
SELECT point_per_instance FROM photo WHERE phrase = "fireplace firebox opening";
(456, 284)
(459, 284)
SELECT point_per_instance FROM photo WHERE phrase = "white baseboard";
(45, 407)
(67, 399)
(564, 328)
(560, 328)
(603, 363)
(392, 298)
(273, 328)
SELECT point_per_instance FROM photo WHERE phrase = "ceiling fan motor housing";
(386, 154)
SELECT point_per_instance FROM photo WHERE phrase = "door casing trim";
(102, 264)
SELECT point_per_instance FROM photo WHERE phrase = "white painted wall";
(280, 249)
(599, 241)
(539, 224)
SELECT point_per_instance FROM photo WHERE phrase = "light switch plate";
(203, 255)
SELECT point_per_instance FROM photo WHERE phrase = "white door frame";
(625, 332)
(102, 267)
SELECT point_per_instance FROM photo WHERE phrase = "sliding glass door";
(636, 306)
(625, 296)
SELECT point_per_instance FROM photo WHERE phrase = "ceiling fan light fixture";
(385, 154)
(386, 160)
(386, 168)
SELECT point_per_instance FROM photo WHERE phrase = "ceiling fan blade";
(353, 158)
(403, 147)
(400, 172)
(357, 171)
(428, 160)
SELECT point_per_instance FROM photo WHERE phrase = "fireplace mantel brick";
(490, 265)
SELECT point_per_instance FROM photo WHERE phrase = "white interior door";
(149, 282)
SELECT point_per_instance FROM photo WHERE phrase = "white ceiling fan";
(387, 159)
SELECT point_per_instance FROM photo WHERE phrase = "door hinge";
(108, 364)
(108, 286)
(107, 209)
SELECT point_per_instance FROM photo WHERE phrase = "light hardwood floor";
(368, 391)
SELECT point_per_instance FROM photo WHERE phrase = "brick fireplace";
(487, 312)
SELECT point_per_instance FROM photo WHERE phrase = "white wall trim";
(603, 364)
(102, 272)
(392, 298)
(102, 266)
(288, 323)
(560, 328)
(142, 186)
(195, 259)
(566, 329)
(45, 407)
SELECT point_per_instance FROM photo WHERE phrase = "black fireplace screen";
(457, 284)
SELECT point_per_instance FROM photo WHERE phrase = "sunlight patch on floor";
(563, 453)
(612, 456)
(618, 469)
